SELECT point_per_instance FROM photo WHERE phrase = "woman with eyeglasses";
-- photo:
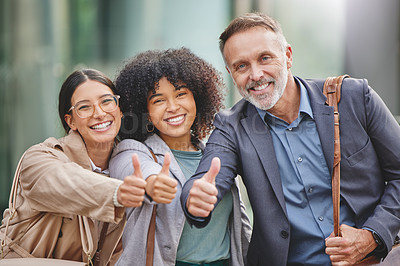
(64, 192)
(169, 99)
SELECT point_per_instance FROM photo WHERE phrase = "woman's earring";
(149, 127)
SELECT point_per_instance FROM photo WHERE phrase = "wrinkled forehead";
(256, 39)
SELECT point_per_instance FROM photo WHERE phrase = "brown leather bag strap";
(151, 234)
(332, 91)
(96, 257)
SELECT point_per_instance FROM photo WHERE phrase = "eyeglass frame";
(117, 97)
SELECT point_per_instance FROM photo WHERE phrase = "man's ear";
(289, 56)
(70, 121)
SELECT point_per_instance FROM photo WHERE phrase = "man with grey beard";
(279, 139)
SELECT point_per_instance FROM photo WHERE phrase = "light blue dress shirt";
(306, 184)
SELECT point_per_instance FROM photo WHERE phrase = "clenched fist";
(349, 249)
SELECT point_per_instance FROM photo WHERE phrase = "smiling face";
(172, 111)
(101, 127)
(258, 65)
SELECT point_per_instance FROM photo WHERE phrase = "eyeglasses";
(84, 109)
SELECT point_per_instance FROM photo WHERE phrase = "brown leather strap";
(151, 238)
(151, 234)
(96, 257)
(332, 91)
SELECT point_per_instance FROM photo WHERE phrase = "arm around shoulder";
(49, 179)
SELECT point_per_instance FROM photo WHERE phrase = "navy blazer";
(370, 165)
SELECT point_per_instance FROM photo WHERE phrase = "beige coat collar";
(74, 147)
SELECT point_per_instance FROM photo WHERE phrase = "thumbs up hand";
(131, 191)
(203, 194)
(162, 188)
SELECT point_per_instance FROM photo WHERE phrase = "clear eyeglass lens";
(107, 103)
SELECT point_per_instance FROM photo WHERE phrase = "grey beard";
(268, 100)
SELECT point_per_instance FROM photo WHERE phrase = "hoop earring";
(149, 127)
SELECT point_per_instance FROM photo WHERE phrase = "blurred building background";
(43, 41)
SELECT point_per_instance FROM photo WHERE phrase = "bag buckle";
(89, 259)
(12, 214)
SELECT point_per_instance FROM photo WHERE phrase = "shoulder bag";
(332, 91)
(29, 259)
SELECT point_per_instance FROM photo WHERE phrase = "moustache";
(260, 82)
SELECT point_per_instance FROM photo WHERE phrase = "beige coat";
(56, 186)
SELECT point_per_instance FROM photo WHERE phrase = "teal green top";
(211, 243)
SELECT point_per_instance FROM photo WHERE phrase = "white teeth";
(102, 125)
(175, 119)
(263, 86)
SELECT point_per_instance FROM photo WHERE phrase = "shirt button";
(321, 218)
(300, 159)
(290, 129)
(310, 190)
(284, 234)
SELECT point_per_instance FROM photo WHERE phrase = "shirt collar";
(98, 169)
(305, 105)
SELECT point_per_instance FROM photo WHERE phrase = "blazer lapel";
(323, 115)
(74, 147)
(260, 136)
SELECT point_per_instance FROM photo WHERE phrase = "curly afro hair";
(141, 75)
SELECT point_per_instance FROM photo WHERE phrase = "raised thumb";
(136, 166)
(213, 171)
(167, 162)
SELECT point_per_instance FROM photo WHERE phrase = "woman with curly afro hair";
(169, 99)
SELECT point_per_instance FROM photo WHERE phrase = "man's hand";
(203, 194)
(131, 192)
(162, 188)
(352, 247)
